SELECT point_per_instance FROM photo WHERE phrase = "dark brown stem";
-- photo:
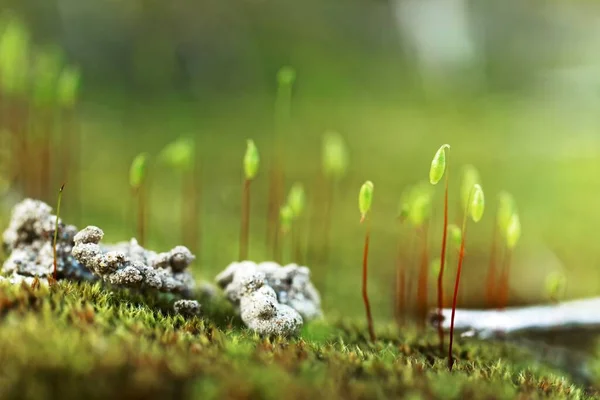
(440, 280)
(423, 277)
(365, 296)
(491, 278)
(245, 230)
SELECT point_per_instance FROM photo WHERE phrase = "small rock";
(187, 308)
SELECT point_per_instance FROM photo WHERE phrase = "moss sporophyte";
(474, 208)
(137, 179)
(180, 157)
(436, 172)
(251, 163)
(365, 200)
(285, 78)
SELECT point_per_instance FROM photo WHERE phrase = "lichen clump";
(260, 310)
(271, 298)
(130, 265)
(28, 240)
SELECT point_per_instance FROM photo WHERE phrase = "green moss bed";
(80, 340)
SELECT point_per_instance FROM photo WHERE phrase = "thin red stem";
(440, 280)
(423, 276)
(245, 229)
(365, 295)
(461, 256)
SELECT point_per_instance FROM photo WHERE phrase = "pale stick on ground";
(584, 313)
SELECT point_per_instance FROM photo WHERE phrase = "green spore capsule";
(438, 165)
(138, 170)
(477, 203)
(555, 285)
(179, 154)
(286, 76)
(46, 71)
(455, 235)
(435, 267)
(470, 177)
(335, 155)
(67, 86)
(506, 209)
(251, 160)
(365, 199)
(286, 216)
(297, 199)
(14, 56)
(513, 231)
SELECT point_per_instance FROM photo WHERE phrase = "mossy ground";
(83, 341)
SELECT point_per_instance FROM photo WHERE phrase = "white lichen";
(290, 283)
(28, 240)
(260, 310)
(128, 264)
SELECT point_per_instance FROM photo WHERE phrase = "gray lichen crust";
(290, 283)
(28, 239)
(260, 310)
(128, 264)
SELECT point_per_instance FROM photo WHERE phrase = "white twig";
(493, 323)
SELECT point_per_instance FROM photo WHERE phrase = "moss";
(82, 341)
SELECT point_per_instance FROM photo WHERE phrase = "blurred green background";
(513, 87)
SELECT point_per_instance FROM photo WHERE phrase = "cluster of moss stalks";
(79, 340)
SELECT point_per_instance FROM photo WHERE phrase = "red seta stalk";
(461, 256)
(365, 295)
(440, 280)
(423, 276)
(245, 229)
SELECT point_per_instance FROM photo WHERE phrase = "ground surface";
(81, 341)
